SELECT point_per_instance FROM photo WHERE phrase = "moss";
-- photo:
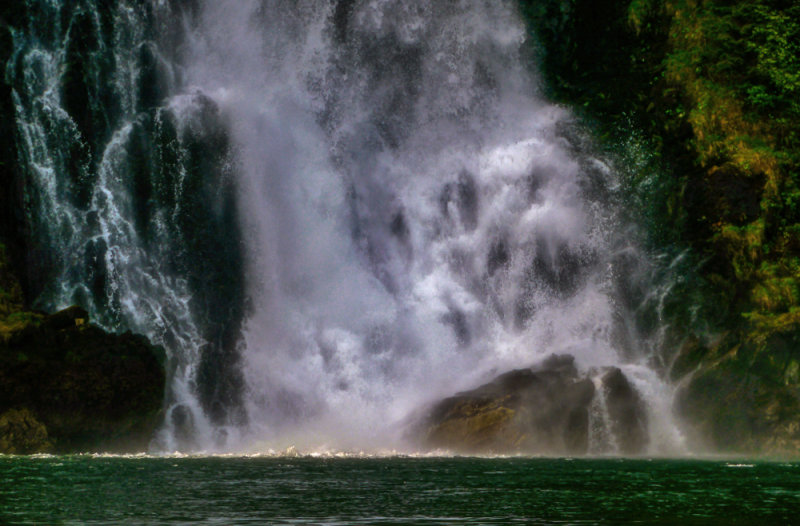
(738, 404)
(16, 322)
(10, 291)
(12, 316)
(726, 60)
(477, 427)
(22, 434)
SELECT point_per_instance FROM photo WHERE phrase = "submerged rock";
(68, 383)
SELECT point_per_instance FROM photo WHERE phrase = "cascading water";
(131, 198)
(330, 213)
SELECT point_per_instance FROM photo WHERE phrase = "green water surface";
(398, 490)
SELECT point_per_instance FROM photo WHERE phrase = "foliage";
(714, 87)
(738, 66)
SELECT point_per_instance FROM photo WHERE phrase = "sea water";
(350, 489)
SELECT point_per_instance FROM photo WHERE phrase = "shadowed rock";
(627, 413)
(69, 386)
(22, 434)
(742, 402)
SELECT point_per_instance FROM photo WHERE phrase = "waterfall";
(130, 192)
(329, 213)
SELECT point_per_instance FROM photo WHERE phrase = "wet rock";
(183, 427)
(70, 317)
(22, 434)
(543, 409)
(627, 413)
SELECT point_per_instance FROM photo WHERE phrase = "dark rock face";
(183, 425)
(68, 386)
(543, 409)
(162, 154)
(539, 410)
(627, 413)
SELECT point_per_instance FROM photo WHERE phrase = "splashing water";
(399, 211)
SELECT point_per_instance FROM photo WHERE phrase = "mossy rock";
(477, 425)
(543, 409)
(10, 291)
(94, 391)
(22, 434)
(734, 405)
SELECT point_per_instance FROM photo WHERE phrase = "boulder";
(542, 409)
(545, 409)
(89, 389)
(22, 434)
(64, 319)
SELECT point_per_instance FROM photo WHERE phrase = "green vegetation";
(12, 316)
(10, 292)
(712, 89)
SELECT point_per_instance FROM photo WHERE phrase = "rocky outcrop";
(722, 121)
(540, 410)
(741, 401)
(69, 386)
(22, 434)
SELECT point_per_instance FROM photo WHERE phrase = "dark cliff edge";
(161, 158)
(710, 91)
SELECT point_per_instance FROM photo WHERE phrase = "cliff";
(65, 385)
(708, 88)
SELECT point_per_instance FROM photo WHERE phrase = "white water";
(415, 217)
(141, 292)
(377, 176)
